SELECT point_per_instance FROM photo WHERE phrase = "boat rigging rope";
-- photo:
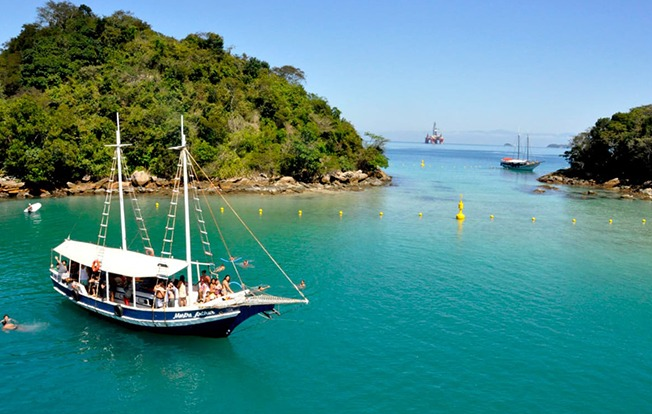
(217, 226)
(200, 219)
(135, 205)
(217, 190)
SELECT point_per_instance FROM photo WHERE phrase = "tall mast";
(518, 147)
(186, 208)
(122, 203)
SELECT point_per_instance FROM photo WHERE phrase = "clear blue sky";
(549, 68)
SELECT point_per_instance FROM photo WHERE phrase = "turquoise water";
(408, 313)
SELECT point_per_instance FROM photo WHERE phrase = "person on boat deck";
(129, 292)
(74, 271)
(209, 279)
(171, 294)
(215, 272)
(226, 289)
(83, 276)
(93, 285)
(181, 286)
(9, 324)
(203, 289)
(159, 292)
(62, 269)
(101, 290)
(215, 289)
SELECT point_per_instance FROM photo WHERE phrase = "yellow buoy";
(341, 213)
(423, 163)
(260, 211)
(221, 209)
(300, 212)
(644, 221)
(156, 205)
(420, 214)
(534, 219)
(611, 221)
(460, 215)
(574, 221)
(491, 216)
(381, 214)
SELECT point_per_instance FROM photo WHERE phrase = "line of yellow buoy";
(459, 216)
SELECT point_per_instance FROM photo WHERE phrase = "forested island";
(64, 78)
(615, 153)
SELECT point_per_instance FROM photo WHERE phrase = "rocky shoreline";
(614, 186)
(142, 182)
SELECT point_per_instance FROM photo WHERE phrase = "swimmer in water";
(246, 264)
(9, 324)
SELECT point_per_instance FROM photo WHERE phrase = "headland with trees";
(65, 76)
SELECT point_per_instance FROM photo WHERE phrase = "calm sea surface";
(410, 310)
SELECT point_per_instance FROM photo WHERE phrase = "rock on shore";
(626, 191)
(143, 182)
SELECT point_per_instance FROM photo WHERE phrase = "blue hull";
(210, 322)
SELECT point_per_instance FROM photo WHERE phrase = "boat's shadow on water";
(99, 333)
(130, 352)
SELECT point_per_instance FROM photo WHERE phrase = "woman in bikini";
(226, 289)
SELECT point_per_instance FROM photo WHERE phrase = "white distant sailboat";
(519, 164)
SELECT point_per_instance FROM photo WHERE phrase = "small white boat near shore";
(32, 208)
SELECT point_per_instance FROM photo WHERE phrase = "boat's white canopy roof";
(118, 261)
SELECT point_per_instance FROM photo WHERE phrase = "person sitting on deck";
(81, 289)
(215, 289)
(226, 289)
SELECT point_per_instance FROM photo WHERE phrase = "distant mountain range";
(558, 146)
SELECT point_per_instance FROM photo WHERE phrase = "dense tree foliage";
(63, 79)
(620, 146)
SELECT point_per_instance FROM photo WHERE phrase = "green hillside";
(64, 78)
(616, 147)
